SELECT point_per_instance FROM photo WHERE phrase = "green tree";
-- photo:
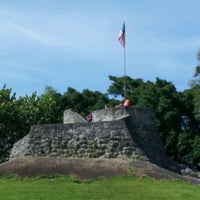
(196, 151)
(72, 99)
(85, 101)
(8, 121)
(195, 86)
(49, 107)
(28, 111)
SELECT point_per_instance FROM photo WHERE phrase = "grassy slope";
(125, 187)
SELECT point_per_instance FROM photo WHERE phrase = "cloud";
(33, 35)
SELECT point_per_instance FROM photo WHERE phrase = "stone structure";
(70, 116)
(133, 137)
(108, 114)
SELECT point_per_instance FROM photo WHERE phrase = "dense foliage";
(177, 113)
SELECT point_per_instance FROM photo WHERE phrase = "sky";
(74, 44)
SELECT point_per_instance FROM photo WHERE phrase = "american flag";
(121, 36)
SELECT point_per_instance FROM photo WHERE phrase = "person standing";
(126, 105)
(89, 117)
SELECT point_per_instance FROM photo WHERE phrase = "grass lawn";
(122, 188)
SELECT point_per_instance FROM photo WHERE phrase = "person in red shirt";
(89, 117)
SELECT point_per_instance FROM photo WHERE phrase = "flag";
(121, 36)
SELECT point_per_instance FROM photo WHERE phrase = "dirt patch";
(81, 168)
(84, 168)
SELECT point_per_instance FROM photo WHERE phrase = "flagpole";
(125, 71)
(124, 62)
(122, 40)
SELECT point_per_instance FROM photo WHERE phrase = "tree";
(195, 86)
(196, 151)
(28, 111)
(85, 101)
(49, 105)
(8, 121)
(72, 99)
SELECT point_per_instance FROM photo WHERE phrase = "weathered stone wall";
(106, 139)
(132, 137)
(70, 116)
(108, 114)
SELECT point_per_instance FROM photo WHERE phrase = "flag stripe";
(121, 36)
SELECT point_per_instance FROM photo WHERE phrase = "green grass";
(122, 188)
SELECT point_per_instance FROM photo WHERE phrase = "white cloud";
(33, 35)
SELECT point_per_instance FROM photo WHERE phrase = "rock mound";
(85, 168)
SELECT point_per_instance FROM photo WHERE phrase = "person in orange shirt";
(126, 105)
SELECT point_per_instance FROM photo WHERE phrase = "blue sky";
(74, 43)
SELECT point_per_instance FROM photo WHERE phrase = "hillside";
(108, 146)
(85, 168)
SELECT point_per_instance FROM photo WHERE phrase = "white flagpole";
(122, 40)
(124, 61)
(124, 71)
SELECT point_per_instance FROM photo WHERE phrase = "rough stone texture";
(133, 137)
(108, 114)
(70, 116)
(107, 139)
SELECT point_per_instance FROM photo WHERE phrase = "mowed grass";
(122, 188)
